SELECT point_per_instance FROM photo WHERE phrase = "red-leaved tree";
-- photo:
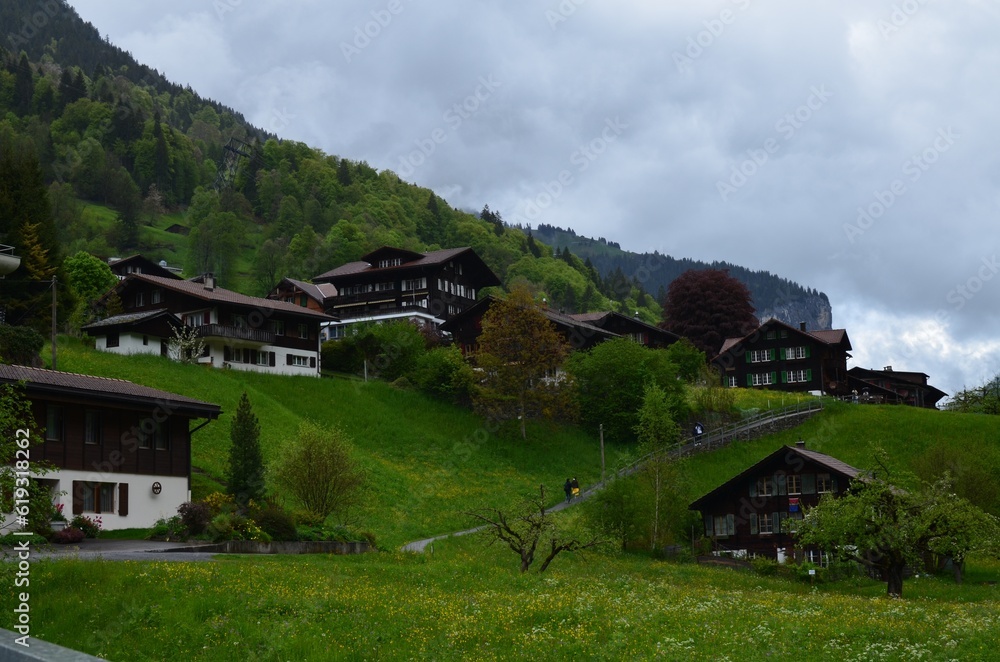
(707, 307)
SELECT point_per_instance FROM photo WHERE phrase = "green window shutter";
(783, 353)
(809, 375)
(784, 376)
(809, 483)
(747, 355)
(808, 351)
(776, 522)
(749, 379)
(774, 378)
(754, 529)
(780, 480)
(708, 525)
(782, 516)
(731, 525)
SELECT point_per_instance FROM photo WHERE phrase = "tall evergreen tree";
(246, 464)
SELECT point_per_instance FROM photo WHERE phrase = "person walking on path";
(568, 489)
(574, 487)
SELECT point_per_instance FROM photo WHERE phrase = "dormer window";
(391, 262)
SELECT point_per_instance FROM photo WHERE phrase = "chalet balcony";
(261, 336)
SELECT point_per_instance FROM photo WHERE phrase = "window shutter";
(227, 353)
(253, 356)
(731, 524)
(780, 480)
(123, 499)
(288, 359)
(271, 359)
(747, 355)
(776, 522)
(809, 483)
(833, 484)
(782, 517)
(753, 487)
(754, 529)
(784, 376)
(708, 525)
(312, 361)
(774, 378)
(749, 379)
(808, 351)
(246, 355)
(77, 497)
(809, 375)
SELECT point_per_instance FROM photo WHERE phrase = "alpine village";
(249, 390)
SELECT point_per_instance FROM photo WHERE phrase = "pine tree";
(246, 465)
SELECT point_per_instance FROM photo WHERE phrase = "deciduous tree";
(520, 353)
(707, 307)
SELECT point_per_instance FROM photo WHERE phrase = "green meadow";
(429, 463)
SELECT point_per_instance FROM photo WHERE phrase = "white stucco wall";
(144, 507)
(130, 343)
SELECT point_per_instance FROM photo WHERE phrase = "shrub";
(90, 527)
(68, 535)
(276, 523)
(33, 540)
(443, 373)
(195, 516)
(765, 566)
(230, 526)
(218, 502)
(168, 529)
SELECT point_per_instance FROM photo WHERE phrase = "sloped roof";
(823, 460)
(318, 291)
(131, 318)
(39, 380)
(419, 260)
(222, 295)
(827, 337)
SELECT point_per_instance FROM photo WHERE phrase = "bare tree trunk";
(894, 578)
(958, 566)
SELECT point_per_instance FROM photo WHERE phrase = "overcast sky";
(850, 146)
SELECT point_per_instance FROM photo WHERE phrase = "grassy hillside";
(428, 461)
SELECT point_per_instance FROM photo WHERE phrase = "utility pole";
(53, 334)
(601, 428)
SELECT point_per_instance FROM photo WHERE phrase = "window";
(303, 300)
(92, 427)
(725, 525)
(113, 339)
(797, 353)
(161, 437)
(816, 557)
(765, 486)
(140, 299)
(53, 423)
(795, 376)
(240, 322)
(770, 335)
(732, 381)
(277, 327)
(414, 284)
(156, 296)
(336, 332)
(761, 379)
(95, 497)
(262, 358)
(299, 361)
(794, 484)
(384, 287)
(761, 355)
(304, 331)
(391, 262)
(145, 341)
(825, 484)
(765, 524)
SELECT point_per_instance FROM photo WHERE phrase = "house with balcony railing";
(238, 331)
(394, 283)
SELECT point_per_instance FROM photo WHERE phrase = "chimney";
(208, 280)
(800, 444)
(888, 368)
(802, 326)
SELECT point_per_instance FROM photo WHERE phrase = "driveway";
(115, 550)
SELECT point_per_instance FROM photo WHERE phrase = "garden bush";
(276, 523)
(90, 527)
(171, 529)
(196, 516)
(69, 535)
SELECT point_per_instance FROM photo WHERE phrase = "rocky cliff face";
(813, 309)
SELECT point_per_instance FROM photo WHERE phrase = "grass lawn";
(466, 600)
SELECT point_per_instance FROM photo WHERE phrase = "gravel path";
(114, 550)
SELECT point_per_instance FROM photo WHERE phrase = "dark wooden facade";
(393, 282)
(781, 357)
(895, 387)
(749, 514)
(629, 327)
(309, 295)
(137, 264)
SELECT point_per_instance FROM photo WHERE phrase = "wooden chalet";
(895, 387)
(394, 283)
(466, 327)
(137, 264)
(239, 331)
(782, 357)
(316, 297)
(749, 514)
(118, 450)
(629, 327)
